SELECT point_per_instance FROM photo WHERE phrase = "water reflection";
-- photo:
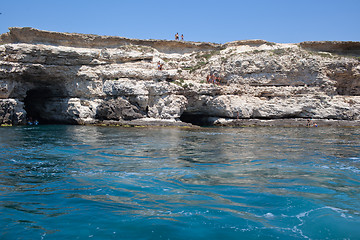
(262, 161)
(252, 174)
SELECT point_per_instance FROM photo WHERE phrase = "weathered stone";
(167, 107)
(117, 109)
(12, 112)
(82, 79)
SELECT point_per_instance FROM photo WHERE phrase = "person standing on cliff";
(208, 78)
(182, 37)
(177, 36)
(160, 65)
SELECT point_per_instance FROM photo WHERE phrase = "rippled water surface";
(79, 182)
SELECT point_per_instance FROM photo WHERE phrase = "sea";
(94, 182)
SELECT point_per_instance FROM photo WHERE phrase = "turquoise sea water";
(85, 182)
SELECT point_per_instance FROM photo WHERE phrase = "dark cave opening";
(35, 105)
(196, 119)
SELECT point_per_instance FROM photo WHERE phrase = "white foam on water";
(350, 168)
(269, 216)
(305, 214)
(302, 215)
(340, 166)
(14, 160)
(218, 133)
(340, 211)
(43, 236)
(296, 230)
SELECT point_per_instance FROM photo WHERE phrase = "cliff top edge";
(35, 36)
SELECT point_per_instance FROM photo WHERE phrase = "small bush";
(208, 55)
(270, 43)
(279, 51)
(258, 51)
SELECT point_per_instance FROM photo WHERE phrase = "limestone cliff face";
(84, 79)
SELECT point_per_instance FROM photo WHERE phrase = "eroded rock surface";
(86, 79)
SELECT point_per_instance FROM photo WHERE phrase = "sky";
(220, 21)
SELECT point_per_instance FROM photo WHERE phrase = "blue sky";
(282, 21)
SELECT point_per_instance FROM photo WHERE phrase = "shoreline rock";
(237, 123)
(296, 122)
(145, 123)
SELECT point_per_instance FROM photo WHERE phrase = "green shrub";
(270, 43)
(187, 68)
(280, 51)
(258, 51)
(208, 55)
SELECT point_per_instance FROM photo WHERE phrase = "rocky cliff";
(87, 79)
